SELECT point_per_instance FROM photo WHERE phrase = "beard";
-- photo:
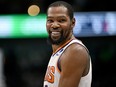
(56, 42)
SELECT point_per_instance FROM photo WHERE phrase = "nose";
(55, 25)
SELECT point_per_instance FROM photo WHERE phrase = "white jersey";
(53, 73)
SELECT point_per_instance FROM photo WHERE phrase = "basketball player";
(70, 63)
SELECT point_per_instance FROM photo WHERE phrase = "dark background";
(26, 59)
(21, 6)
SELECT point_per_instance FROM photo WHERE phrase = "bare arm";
(73, 64)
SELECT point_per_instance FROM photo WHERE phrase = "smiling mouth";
(55, 33)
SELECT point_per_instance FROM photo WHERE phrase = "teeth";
(55, 32)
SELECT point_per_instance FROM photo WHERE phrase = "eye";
(62, 20)
(49, 20)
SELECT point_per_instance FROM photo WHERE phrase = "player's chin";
(55, 39)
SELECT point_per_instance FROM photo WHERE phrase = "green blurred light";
(24, 26)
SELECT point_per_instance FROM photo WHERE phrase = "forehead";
(57, 11)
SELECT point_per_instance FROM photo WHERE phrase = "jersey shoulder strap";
(76, 41)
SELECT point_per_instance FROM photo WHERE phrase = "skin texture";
(74, 62)
(59, 21)
(73, 69)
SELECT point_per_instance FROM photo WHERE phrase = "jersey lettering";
(50, 74)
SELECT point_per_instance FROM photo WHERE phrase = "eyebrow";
(57, 17)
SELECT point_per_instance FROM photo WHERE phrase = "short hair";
(65, 4)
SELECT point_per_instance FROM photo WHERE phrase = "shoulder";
(77, 51)
(77, 55)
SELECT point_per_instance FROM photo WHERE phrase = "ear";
(73, 22)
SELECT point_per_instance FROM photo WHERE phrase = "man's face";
(58, 24)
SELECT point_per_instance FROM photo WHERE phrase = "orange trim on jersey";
(59, 57)
(62, 46)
